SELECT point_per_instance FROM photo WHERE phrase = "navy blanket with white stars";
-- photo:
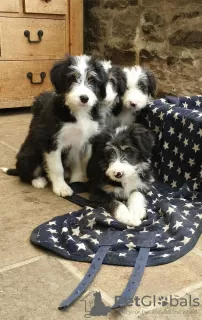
(174, 210)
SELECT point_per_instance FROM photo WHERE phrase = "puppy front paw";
(122, 214)
(39, 182)
(62, 189)
(139, 213)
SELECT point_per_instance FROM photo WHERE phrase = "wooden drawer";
(15, 46)
(9, 6)
(16, 89)
(46, 6)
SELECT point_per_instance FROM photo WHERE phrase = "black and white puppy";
(140, 86)
(116, 87)
(122, 155)
(62, 124)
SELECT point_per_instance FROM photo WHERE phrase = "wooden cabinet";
(16, 35)
(9, 6)
(46, 6)
(33, 35)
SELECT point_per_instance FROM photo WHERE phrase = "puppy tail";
(10, 172)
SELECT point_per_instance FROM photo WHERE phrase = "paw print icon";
(163, 301)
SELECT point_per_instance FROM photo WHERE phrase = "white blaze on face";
(134, 97)
(80, 88)
(118, 170)
(111, 94)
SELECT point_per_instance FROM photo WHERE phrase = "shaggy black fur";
(50, 113)
(106, 148)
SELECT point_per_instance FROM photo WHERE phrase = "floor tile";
(199, 243)
(22, 209)
(14, 128)
(7, 159)
(34, 292)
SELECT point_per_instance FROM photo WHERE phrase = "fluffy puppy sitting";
(62, 125)
(122, 155)
(140, 86)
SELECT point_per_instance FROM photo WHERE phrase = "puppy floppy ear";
(102, 75)
(120, 79)
(151, 83)
(99, 141)
(143, 138)
(58, 74)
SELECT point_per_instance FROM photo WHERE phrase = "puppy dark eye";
(142, 86)
(74, 76)
(92, 80)
(112, 81)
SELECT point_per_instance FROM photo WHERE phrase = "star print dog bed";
(174, 220)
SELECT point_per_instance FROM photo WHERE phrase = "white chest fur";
(78, 133)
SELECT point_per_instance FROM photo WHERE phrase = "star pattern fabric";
(174, 209)
(177, 124)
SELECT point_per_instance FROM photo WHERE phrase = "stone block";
(120, 4)
(185, 38)
(125, 24)
(122, 57)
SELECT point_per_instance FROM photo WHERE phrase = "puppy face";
(81, 79)
(116, 84)
(141, 86)
(126, 152)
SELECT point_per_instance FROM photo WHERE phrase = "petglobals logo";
(173, 301)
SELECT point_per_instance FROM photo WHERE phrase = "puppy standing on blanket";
(122, 155)
(62, 125)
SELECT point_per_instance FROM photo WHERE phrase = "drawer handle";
(30, 77)
(39, 33)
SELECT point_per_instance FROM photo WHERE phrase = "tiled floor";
(33, 282)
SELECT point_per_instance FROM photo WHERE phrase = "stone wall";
(163, 35)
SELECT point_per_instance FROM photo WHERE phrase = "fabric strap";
(88, 278)
(108, 240)
(80, 187)
(137, 272)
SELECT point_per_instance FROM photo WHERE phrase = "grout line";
(79, 274)
(189, 289)
(9, 146)
(20, 264)
(106, 296)
(197, 251)
(178, 294)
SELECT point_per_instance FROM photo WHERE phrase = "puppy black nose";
(84, 98)
(118, 175)
(133, 104)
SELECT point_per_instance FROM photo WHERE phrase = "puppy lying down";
(122, 155)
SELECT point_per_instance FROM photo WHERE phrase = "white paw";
(4, 169)
(39, 182)
(123, 215)
(138, 212)
(62, 189)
